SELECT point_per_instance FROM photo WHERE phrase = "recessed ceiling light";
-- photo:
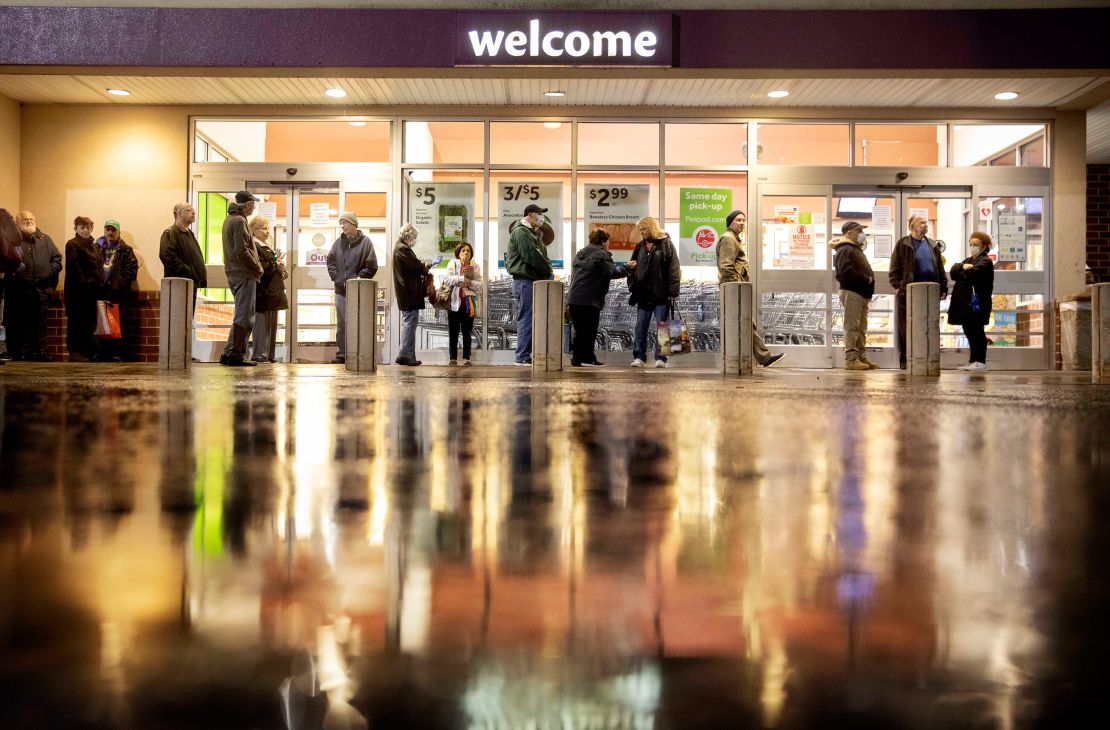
(1006, 95)
(778, 93)
(336, 93)
(554, 93)
(119, 92)
(357, 124)
(552, 125)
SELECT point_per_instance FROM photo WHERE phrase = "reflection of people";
(465, 279)
(916, 259)
(591, 272)
(179, 251)
(351, 257)
(857, 286)
(82, 288)
(29, 290)
(408, 283)
(654, 282)
(243, 271)
(732, 265)
(271, 297)
(971, 298)
(119, 270)
(526, 261)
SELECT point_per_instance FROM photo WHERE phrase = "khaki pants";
(855, 325)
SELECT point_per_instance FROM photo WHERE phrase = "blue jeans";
(341, 324)
(643, 321)
(408, 334)
(522, 293)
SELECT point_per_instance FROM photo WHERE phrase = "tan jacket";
(732, 263)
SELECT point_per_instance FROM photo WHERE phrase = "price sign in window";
(443, 213)
(617, 209)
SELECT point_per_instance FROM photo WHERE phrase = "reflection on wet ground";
(304, 548)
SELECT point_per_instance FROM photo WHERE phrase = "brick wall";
(1098, 220)
(140, 329)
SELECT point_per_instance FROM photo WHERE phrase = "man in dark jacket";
(29, 290)
(526, 261)
(119, 270)
(243, 271)
(179, 251)
(916, 259)
(84, 261)
(591, 272)
(351, 257)
(857, 286)
(408, 284)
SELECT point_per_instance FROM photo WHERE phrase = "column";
(923, 328)
(547, 325)
(736, 327)
(1100, 333)
(175, 324)
(362, 340)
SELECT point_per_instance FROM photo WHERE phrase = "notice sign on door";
(513, 198)
(268, 210)
(617, 209)
(443, 213)
(1012, 236)
(318, 215)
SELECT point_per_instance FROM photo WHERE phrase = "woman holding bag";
(465, 280)
(971, 298)
(654, 283)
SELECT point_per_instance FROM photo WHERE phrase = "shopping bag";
(107, 321)
(471, 304)
(673, 336)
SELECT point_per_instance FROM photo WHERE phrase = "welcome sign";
(563, 39)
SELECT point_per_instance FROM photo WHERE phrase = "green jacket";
(526, 257)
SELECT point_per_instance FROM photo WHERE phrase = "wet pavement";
(299, 547)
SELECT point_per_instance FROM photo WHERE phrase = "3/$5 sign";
(564, 39)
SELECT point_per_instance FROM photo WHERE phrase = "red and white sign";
(705, 237)
(985, 211)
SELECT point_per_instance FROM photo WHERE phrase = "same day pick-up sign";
(701, 221)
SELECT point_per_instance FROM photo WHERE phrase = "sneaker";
(339, 360)
(467, 363)
(236, 362)
(594, 364)
(660, 364)
(976, 366)
(856, 365)
(964, 367)
(523, 364)
(872, 365)
(452, 362)
(773, 359)
(637, 363)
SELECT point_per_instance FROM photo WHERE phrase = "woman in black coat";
(591, 272)
(971, 298)
(84, 261)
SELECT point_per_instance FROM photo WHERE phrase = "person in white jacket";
(465, 279)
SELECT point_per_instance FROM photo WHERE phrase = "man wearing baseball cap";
(732, 265)
(243, 269)
(857, 286)
(351, 257)
(526, 261)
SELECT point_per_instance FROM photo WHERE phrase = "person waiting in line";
(916, 259)
(243, 271)
(179, 251)
(10, 256)
(118, 271)
(29, 290)
(409, 283)
(526, 261)
(973, 287)
(591, 272)
(84, 262)
(857, 286)
(351, 257)
(270, 298)
(465, 279)
(732, 265)
(654, 282)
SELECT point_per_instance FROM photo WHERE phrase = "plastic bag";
(107, 321)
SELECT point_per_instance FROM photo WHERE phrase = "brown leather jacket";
(902, 265)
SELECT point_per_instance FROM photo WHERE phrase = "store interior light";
(119, 92)
(554, 93)
(336, 93)
(1006, 95)
(552, 125)
(778, 93)
(357, 124)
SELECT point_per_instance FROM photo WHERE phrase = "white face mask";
(976, 250)
(862, 240)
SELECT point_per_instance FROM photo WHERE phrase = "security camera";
(901, 177)
(290, 171)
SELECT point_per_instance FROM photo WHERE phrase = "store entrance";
(304, 223)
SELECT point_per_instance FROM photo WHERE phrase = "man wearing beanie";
(732, 265)
(351, 257)
(243, 271)
(857, 286)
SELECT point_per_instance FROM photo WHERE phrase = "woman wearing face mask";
(971, 298)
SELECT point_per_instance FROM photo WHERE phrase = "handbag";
(430, 288)
(975, 306)
(673, 336)
(107, 321)
(443, 297)
(471, 304)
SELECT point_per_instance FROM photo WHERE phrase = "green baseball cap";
(112, 223)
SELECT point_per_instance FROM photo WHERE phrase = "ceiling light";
(778, 93)
(554, 93)
(336, 93)
(357, 124)
(119, 92)
(1006, 95)
(552, 125)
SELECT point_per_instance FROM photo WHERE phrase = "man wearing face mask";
(526, 261)
(857, 286)
(732, 265)
(916, 259)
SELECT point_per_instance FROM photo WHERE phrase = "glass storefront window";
(615, 201)
(881, 233)
(733, 184)
(1017, 320)
(530, 143)
(793, 318)
(1016, 225)
(917, 145)
(706, 144)
(618, 143)
(998, 145)
(802, 144)
(296, 141)
(793, 232)
(445, 142)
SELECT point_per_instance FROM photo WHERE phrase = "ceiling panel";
(1098, 134)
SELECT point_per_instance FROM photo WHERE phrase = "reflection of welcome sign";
(563, 39)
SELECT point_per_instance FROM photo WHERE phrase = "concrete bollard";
(1100, 333)
(736, 327)
(362, 340)
(175, 324)
(547, 325)
(923, 328)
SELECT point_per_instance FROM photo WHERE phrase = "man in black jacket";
(857, 286)
(29, 291)
(351, 257)
(179, 251)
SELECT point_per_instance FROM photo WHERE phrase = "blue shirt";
(923, 261)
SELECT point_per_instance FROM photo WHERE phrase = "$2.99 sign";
(603, 196)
